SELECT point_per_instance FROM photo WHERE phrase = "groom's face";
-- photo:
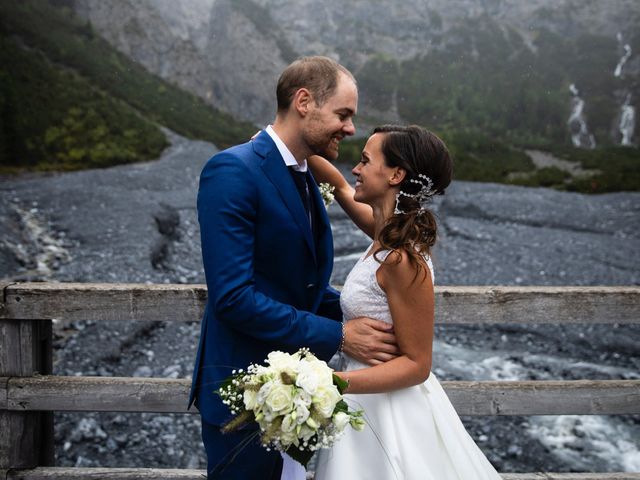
(327, 124)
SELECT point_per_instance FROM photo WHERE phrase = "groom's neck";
(291, 136)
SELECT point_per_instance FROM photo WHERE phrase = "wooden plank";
(4, 392)
(122, 394)
(19, 445)
(99, 394)
(105, 302)
(14, 361)
(70, 473)
(558, 397)
(25, 347)
(538, 304)
(100, 301)
(571, 476)
(26, 438)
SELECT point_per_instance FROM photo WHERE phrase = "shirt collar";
(289, 159)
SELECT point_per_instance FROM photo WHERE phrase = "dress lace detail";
(362, 295)
(413, 433)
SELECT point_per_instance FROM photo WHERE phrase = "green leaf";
(340, 383)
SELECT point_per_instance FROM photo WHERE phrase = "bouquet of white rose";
(296, 400)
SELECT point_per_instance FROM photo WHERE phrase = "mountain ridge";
(235, 61)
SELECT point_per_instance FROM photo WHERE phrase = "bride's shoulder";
(400, 269)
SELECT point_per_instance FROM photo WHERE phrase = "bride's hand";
(325, 171)
(370, 341)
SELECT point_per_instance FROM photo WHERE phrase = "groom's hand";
(370, 341)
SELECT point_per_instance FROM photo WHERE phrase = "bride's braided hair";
(428, 164)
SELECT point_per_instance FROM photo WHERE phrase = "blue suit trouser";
(238, 455)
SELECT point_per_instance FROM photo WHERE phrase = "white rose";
(263, 374)
(250, 399)
(288, 423)
(307, 378)
(283, 361)
(264, 391)
(280, 397)
(302, 412)
(301, 405)
(325, 400)
(341, 420)
(269, 415)
(321, 370)
(358, 423)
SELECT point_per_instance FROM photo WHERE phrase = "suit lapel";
(276, 171)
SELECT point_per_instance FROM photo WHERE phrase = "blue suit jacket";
(267, 276)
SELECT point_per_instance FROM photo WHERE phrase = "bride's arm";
(411, 302)
(360, 213)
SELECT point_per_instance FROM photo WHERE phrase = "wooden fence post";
(26, 438)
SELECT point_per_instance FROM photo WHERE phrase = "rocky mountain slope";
(230, 52)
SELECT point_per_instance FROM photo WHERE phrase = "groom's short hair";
(317, 74)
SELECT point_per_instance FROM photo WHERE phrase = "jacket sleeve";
(227, 212)
(330, 304)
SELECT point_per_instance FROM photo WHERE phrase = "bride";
(413, 431)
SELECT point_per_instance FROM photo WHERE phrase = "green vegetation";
(54, 119)
(91, 101)
(491, 97)
(545, 177)
(476, 157)
(68, 100)
(618, 167)
(350, 150)
(521, 100)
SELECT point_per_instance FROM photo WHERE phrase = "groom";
(268, 253)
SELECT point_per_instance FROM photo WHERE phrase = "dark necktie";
(300, 179)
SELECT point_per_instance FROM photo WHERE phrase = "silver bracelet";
(344, 334)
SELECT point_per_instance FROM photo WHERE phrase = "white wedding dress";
(411, 434)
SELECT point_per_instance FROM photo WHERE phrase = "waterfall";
(627, 121)
(627, 53)
(580, 135)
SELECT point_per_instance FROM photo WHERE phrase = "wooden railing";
(29, 392)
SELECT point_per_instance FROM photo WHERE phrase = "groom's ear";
(302, 101)
(397, 176)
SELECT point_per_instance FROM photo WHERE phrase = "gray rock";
(143, 371)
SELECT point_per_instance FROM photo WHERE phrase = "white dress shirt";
(287, 156)
(289, 159)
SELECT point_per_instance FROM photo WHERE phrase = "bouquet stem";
(240, 420)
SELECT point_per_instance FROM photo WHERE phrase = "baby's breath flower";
(326, 191)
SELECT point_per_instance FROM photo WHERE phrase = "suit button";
(311, 285)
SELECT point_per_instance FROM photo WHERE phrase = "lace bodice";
(361, 294)
(413, 433)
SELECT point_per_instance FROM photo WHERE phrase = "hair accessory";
(423, 197)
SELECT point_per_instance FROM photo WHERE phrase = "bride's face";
(374, 178)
